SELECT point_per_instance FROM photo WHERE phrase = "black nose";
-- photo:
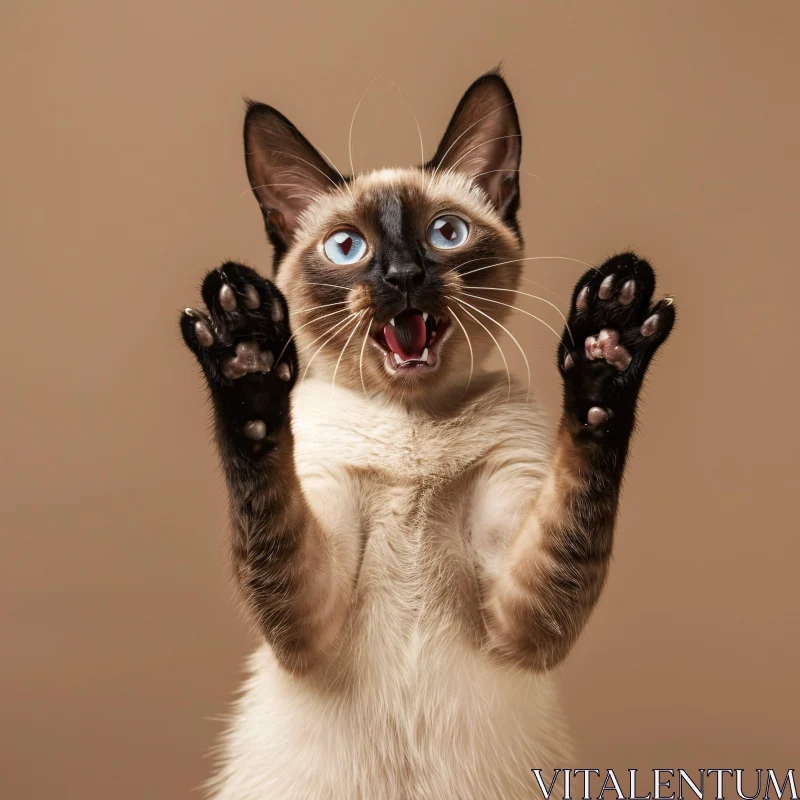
(404, 276)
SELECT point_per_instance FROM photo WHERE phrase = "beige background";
(671, 126)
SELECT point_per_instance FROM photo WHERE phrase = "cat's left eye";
(345, 246)
(447, 232)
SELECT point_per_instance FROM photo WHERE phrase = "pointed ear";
(483, 141)
(285, 170)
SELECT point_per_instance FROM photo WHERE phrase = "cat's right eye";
(345, 246)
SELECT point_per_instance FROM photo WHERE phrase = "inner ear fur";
(484, 142)
(285, 170)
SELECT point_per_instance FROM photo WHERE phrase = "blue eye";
(345, 247)
(447, 232)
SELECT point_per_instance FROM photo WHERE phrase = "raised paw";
(243, 343)
(611, 336)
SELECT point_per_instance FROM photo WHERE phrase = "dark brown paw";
(243, 343)
(613, 334)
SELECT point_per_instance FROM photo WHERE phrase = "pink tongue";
(412, 334)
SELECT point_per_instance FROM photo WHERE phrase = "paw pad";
(606, 346)
(650, 325)
(249, 358)
(597, 416)
(283, 371)
(251, 298)
(256, 430)
(627, 293)
(227, 297)
(606, 288)
(203, 334)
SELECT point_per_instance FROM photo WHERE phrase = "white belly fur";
(409, 706)
(472, 730)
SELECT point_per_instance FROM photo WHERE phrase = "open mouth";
(412, 340)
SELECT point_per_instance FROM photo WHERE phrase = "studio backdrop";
(668, 127)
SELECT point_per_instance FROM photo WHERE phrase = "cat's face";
(381, 272)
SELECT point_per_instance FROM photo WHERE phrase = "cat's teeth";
(397, 360)
(391, 322)
(424, 316)
(424, 356)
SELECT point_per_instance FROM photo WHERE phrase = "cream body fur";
(408, 706)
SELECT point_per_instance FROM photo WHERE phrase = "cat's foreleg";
(286, 563)
(556, 565)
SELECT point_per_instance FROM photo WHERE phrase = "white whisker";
(463, 133)
(315, 308)
(292, 155)
(352, 122)
(469, 344)
(516, 308)
(305, 325)
(490, 171)
(513, 338)
(419, 130)
(546, 288)
(344, 180)
(266, 185)
(527, 294)
(361, 358)
(453, 166)
(332, 285)
(339, 361)
(464, 263)
(333, 330)
(527, 258)
(497, 344)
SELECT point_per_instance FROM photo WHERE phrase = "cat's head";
(396, 279)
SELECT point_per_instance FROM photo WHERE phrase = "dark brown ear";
(483, 141)
(285, 171)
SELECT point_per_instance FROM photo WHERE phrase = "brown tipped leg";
(284, 560)
(557, 564)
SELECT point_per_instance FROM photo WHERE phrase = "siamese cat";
(416, 550)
